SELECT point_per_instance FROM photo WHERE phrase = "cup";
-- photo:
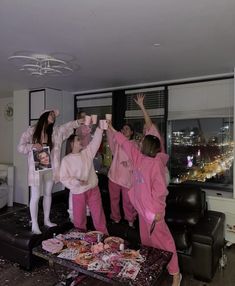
(94, 118)
(108, 117)
(103, 124)
(87, 120)
(121, 246)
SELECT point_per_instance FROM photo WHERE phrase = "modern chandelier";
(41, 64)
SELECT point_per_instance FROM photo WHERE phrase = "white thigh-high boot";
(48, 184)
(70, 210)
(33, 206)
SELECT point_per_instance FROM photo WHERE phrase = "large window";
(200, 134)
(201, 151)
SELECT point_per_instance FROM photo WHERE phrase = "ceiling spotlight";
(41, 64)
(156, 45)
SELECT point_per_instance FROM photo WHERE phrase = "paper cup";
(103, 124)
(87, 120)
(94, 118)
(108, 117)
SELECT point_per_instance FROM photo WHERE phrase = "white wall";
(20, 124)
(6, 132)
(67, 106)
(67, 111)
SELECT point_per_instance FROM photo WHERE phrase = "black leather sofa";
(198, 232)
(16, 238)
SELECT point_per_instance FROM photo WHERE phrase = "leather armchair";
(198, 233)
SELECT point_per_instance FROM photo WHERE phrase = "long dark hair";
(43, 122)
(151, 146)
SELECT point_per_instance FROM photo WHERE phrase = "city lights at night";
(202, 156)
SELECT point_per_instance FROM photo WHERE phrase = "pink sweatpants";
(160, 238)
(92, 198)
(114, 191)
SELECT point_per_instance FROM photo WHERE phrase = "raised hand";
(37, 146)
(139, 100)
(110, 126)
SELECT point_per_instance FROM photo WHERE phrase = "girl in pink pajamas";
(120, 178)
(77, 173)
(148, 195)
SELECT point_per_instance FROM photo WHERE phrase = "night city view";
(202, 152)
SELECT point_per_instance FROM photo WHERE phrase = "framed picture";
(42, 159)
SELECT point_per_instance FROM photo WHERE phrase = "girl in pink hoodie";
(120, 178)
(77, 173)
(148, 195)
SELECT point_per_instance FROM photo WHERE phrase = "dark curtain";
(118, 109)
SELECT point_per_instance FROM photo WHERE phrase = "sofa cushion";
(209, 228)
(185, 205)
(182, 238)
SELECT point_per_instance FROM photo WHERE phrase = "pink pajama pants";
(160, 238)
(92, 198)
(115, 191)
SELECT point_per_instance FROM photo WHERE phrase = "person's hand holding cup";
(87, 120)
(94, 119)
(108, 117)
(103, 124)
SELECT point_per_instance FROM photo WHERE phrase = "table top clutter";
(107, 258)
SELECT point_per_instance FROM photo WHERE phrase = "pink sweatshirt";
(79, 166)
(120, 171)
(149, 191)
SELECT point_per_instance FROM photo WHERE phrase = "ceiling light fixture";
(41, 64)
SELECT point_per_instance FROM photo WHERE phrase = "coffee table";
(150, 273)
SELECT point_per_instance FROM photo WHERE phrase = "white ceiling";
(112, 40)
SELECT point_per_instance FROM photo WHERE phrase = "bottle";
(107, 154)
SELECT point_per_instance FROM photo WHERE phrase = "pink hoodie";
(120, 171)
(149, 191)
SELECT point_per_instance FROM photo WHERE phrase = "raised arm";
(139, 100)
(111, 140)
(128, 146)
(65, 130)
(94, 145)
(151, 129)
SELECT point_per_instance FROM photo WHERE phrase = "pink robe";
(148, 196)
(60, 133)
